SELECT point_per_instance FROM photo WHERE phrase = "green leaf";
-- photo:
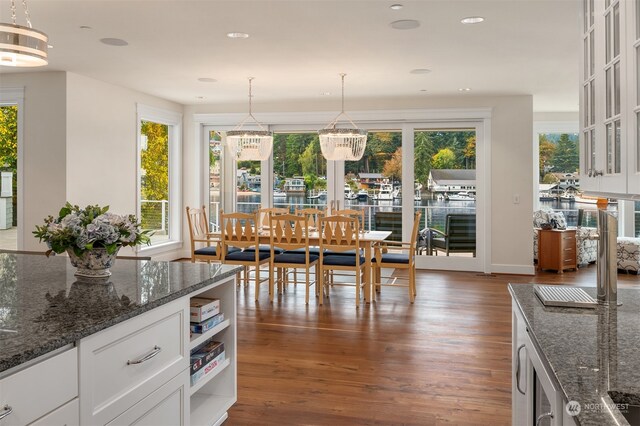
(64, 211)
(112, 248)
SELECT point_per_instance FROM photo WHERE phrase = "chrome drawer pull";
(156, 350)
(518, 369)
(7, 410)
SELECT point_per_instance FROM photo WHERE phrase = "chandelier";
(250, 145)
(342, 143)
(22, 46)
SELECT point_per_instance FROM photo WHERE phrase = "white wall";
(80, 145)
(511, 159)
(101, 143)
(44, 148)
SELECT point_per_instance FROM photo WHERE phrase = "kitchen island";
(587, 359)
(118, 350)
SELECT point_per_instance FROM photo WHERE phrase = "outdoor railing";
(154, 215)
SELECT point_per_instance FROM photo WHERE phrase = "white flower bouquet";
(90, 228)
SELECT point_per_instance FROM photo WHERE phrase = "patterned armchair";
(586, 237)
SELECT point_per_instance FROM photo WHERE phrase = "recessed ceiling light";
(114, 41)
(85, 27)
(405, 24)
(395, 6)
(207, 80)
(420, 71)
(237, 35)
(465, 89)
(472, 20)
(423, 90)
(200, 97)
(325, 93)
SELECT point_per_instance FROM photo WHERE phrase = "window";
(159, 174)
(215, 179)
(445, 188)
(9, 176)
(248, 185)
(373, 183)
(300, 171)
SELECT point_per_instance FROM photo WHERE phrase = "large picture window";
(159, 174)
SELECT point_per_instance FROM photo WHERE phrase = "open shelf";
(210, 375)
(197, 339)
(209, 409)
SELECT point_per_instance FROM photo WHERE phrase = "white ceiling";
(297, 48)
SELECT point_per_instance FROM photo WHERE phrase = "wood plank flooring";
(445, 360)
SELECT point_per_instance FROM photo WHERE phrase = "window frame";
(173, 120)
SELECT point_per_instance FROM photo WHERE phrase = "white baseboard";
(513, 269)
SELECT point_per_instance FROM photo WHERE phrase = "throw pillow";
(558, 220)
(540, 217)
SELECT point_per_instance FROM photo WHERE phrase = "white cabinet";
(39, 389)
(121, 365)
(137, 372)
(537, 399)
(609, 97)
(67, 415)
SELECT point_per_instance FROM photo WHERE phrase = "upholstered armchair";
(586, 237)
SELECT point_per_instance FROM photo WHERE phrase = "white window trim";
(15, 96)
(174, 121)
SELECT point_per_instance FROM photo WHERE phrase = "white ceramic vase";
(93, 263)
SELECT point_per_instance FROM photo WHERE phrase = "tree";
(470, 153)
(444, 159)
(423, 151)
(546, 149)
(9, 137)
(155, 161)
(549, 178)
(565, 158)
(393, 167)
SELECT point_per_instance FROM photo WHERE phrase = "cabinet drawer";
(37, 390)
(124, 363)
(67, 415)
(166, 406)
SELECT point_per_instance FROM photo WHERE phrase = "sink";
(631, 407)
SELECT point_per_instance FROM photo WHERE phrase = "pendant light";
(346, 144)
(22, 46)
(250, 145)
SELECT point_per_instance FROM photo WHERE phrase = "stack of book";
(205, 314)
(205, 359)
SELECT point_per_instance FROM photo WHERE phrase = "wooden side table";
(557, 249)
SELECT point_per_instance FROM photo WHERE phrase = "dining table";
(366, 240)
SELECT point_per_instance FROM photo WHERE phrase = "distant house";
(567, 181)
(370, 180)
(254, 181)
(242, 178)
(451, 180)
(294, 184)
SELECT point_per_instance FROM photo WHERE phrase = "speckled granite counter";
(591, 352)
(43, 306)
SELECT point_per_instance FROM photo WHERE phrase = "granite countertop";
(593, 353)
(43, 306)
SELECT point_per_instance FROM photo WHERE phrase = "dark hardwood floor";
(444, 360)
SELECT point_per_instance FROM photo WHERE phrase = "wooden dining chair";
(312, 215)
(397, 255)
(291, 233)
(200, 236)
(358, 214)
(340, 234)
(239, 231)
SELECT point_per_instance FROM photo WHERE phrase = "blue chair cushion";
(211, 250)
(312, 250)
(393, 258)
(342, 260)
(245, 256)
(342, 253)
(289, 257)
(265, 249)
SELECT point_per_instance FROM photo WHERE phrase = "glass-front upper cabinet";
(609, 99)
(634, 97)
